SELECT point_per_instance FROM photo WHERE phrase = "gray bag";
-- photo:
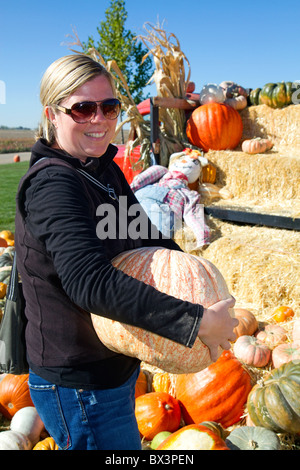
(12, 328)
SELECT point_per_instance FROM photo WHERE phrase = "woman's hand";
(216, 327)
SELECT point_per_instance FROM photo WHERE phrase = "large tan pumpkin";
(176, 273)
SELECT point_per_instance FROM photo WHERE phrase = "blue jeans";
(88, 420)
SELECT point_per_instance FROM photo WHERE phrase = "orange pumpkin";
(14, 394)
(286, 352)
(3, 243)
(161, 382)
(7, 235)
(141, 385)
(272, 335)
(156, 412)
(3, 289)
(176, 273)
(248, 323)
(214, 126)
(193, 437)
(283, 314)
(217, 393)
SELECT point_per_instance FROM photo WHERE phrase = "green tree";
(115, 42)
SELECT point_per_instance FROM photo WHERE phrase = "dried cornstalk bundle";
(171, 82)
(139, 133)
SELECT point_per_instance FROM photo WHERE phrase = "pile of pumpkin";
(247, 400)
(223, 407)
(217, 125)
(22, 428)
(258, 378)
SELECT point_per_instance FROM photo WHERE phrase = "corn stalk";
(171, 82)
(139, 133)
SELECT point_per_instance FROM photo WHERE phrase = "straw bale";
(271, 177)
(261, 265)
(270, 180)
(281, 125)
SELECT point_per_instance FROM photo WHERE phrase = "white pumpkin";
(212, 93)
(237, 102)
(27, 421)
(13, 440)
(212, 191)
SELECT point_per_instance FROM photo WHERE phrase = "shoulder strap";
(45, 162)
(13, 281)
(109, 189)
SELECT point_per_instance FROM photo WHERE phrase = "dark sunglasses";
(87, 110)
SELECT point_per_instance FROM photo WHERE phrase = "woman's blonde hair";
(60, 80)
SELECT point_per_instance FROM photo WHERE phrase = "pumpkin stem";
(261, 382)
(253, 444)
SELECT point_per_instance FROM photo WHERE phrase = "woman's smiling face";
(92, 138)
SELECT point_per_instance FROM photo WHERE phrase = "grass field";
(10, 175)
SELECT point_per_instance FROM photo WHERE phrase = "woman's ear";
(50, 114)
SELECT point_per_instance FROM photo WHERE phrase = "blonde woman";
(83, 392)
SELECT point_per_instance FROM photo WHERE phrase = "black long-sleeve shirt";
(67, 272)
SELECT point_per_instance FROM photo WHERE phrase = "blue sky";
(251, 44)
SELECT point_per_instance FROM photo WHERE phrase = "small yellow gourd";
(209, 173)
(46, 444)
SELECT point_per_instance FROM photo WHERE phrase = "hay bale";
(261, 265)
(269, 178)
(281, 125)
